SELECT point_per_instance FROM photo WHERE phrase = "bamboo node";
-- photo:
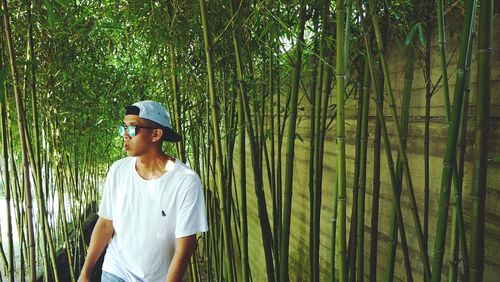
(486, 50)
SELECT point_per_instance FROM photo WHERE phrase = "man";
(152, 205)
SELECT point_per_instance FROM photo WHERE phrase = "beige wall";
(299, 235)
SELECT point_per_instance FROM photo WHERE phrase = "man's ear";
(157, 135)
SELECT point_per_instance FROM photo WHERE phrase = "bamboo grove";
(264, 93)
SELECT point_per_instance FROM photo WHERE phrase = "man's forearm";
(101, 235)
(184, 248)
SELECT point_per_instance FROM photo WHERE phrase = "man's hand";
(101, 235)
(184, 248)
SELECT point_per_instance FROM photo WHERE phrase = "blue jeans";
(108, 277)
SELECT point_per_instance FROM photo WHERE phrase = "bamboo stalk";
(362, 175)
(442, 56)
(340, 128)
(245, 266)
(458, 240)
(46, 234)
(217, 143)
(428, 95)
(379, 100)
(261, 202)
(17, 197)
(316, 78)
(290, 148)
(181, 150)
(399, 173)
(449, 162)
(406, 170)
(6, 178)
(21, 126)
(479, 182)
(393, 177)
(321, 108)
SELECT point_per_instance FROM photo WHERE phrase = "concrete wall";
(299, 235)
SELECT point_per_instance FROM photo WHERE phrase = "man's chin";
(130, 153)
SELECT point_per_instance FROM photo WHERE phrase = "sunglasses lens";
(131, 131)
(121, 129)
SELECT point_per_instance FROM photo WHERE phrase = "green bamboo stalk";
(449, 162)
(442, 56)
(6, 178)
(316, 77)
(340, 128)
(217, 142)
(399, 173)
(321, 106)
(47, 236)
(60, 183)
(352, 244)
(290, 148)
(256, 165)
(21, 126)
(279, 173)
(458, 193)
(379, 100)
(406, 169)
(333, 274)
(17, 198)
(347, 33)
(274, 186)
(394, 181)
(245, 266)
(458, 240)
(181, 147)
(208, 199)
(479, 182)
(5, 264)
(362, 175)
(428, 95)
(228, 148)
(324, 125)
(375, 186)
(273, 72)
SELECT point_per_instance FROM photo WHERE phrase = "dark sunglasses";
(131, 129)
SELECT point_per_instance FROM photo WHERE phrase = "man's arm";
(184, 248)
(101, 235)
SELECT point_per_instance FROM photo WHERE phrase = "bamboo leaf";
(301, 139)
(61, 3)
(111, 27)
(24, 62)
(51, 16)
(410, 36)
(421, 34)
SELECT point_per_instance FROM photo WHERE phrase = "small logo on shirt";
(163, 213)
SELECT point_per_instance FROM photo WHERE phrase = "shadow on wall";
(62, 256)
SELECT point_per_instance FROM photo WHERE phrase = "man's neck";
(153, 164)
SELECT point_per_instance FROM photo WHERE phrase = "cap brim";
(171, 136)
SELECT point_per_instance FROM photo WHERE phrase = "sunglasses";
(131, 129)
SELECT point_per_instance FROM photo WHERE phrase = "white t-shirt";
(148, 215)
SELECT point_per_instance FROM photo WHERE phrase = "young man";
(152, 205)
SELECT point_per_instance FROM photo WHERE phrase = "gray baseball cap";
(155, 112)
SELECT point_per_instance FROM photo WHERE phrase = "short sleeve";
(106, 206)
(191, 216)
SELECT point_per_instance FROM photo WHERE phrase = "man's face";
(143, 139)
